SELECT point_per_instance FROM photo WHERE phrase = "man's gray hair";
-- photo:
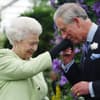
(68, 11)
(21, 27)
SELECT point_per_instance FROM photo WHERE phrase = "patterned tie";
(85, 48)
(86, 44)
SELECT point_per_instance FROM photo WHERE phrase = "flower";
(94, 46)
(77, 50)
(96, 8)
(58, 39)
(56, 65)
(63, 80)
(81, 1)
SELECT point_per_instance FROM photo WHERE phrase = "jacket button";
(38, 88)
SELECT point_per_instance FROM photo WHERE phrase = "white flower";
(94, 46)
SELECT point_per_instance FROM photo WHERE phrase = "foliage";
(92, 8)
(2, 40)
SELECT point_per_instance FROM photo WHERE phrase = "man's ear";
(77, 21)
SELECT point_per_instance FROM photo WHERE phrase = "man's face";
(28, 46)
(67, 55)
(70, 31)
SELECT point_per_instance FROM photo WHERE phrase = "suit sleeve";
(96, 88)
(12, 68)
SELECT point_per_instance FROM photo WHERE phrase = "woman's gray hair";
(68, 11)
(21, 27)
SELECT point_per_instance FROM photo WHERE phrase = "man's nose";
(35, 47)
(64, 35)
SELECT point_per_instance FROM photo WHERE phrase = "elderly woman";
(21, 76)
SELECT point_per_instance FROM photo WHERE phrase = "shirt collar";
(91, 32)
(67, 66)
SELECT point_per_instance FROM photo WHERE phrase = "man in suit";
(69, 66)
(74, 24)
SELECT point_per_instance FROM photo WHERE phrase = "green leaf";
(90, 2)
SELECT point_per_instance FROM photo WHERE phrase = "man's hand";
(80, 88)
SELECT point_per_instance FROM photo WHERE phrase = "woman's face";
(25, 48)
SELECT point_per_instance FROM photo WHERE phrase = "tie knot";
(86, 43)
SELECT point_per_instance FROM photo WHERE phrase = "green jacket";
(22, 79)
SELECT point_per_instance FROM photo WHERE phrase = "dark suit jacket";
(73, 75)
(90, 71)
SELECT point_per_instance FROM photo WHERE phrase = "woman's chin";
(28, 57)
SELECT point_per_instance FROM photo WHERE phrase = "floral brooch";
(94, 46)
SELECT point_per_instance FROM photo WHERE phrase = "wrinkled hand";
(80, 88)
